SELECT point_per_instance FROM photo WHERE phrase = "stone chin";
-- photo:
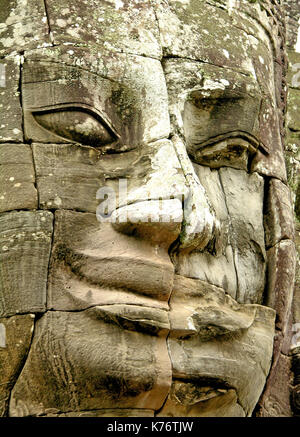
(198, 359)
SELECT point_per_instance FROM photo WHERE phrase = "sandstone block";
(17, 178)
(25, 250)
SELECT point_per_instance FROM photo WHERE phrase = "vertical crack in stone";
(48, 23)
(266, 195)
(156, 412)
(232, 246)
(35, 183)
(21, 60)
(154, 5)
(50, 257)
(238, 403)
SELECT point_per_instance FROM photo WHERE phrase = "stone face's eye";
(76, 125)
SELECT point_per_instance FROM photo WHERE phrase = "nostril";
(158, 221)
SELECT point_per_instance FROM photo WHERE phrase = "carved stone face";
(169, 298)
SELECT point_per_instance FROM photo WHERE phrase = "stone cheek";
(117, 269)
(110, 367)
(237, 261)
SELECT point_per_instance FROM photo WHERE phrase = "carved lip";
(150, 277)
(148, 320)
(155, 321)
(134, 309)
(206, 381)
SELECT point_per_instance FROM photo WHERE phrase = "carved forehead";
(230, 34)
(191, 28)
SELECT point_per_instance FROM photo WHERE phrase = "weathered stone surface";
(293, 111)
(293, 76)
(218, 271)
(292, 155)
(192, 30)
(25, 249)
(183, 101)
(15, 335)
(188, 400)
(296, 380)
(16, 31)
(230, 361)
(279, 217)
(296, 400)
(276, 398)
(107, 412)
(68, 176)
(296, 297)
(10, 108)
(124, 26)
(236, 260)
(213, 107)
(247, 231)
(116, 268)
(136, 318)
(198, 217)
(88, 364)
(293, 166)
(292, 18)
(266, 77)
(210, 179)
(271, 165)
(17, 177)
(126, 99)
(280, 283)
(195, 101)
(218, 266)
(205, 311)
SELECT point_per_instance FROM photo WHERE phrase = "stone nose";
(199, 222)
(170, 205)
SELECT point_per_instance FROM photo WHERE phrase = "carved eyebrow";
(82, 107)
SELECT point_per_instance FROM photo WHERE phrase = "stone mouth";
(138, 318)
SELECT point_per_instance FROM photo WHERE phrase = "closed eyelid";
(77, 123)
(247, 136)
(78, 107)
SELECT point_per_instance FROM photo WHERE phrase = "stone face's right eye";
(232, 149)
(76, 125)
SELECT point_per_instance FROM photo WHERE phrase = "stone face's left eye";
(76, 125)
